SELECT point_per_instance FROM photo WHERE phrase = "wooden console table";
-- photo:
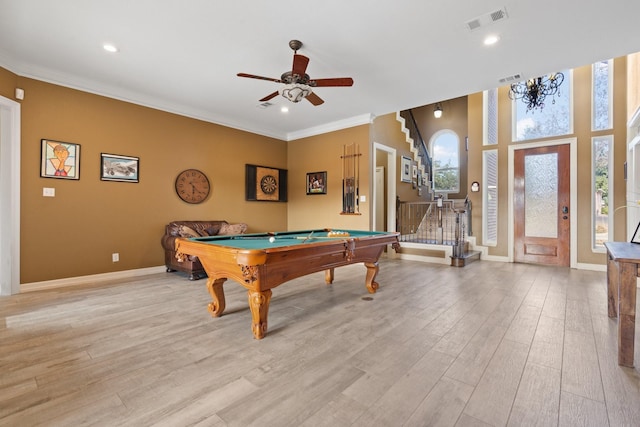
(623, 266)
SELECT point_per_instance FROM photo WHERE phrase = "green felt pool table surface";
(283, 238)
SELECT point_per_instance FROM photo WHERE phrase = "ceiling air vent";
(509, 79)
(498, 15)
(487, 18)
(264, 105)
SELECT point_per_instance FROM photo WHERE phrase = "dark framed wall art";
(119, 168)
(59, 159)
(317, 182)
(265, 184)
(405, 169)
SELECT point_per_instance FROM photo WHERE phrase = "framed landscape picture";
(119, 168)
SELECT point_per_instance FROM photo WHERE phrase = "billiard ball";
(272, 239)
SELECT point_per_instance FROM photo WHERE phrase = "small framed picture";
(316, 183)
(119, 168)
(405, 168)
(59, 160)
(636, 235)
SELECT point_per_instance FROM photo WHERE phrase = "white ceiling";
(183, 55)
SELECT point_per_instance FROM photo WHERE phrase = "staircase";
(462, 254)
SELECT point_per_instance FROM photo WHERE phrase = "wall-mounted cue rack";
(350, 179)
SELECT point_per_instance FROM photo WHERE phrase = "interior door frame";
(573, 185)
(9, 196)
(391, 185)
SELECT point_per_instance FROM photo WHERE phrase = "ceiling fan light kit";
(295, 92)
(298, 84)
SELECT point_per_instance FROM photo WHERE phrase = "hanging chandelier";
(534, 91)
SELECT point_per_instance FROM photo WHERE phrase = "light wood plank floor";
(490, 344)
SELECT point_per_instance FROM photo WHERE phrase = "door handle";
(565, 209)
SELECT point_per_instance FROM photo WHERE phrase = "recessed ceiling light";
(491, 39)
(284, 109)
(109, 48)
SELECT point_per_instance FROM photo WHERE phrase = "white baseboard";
(421, 258)
(594, 267)
(94, 278)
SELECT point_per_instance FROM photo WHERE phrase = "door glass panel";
(541, 195)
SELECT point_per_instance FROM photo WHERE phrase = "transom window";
(555, 119)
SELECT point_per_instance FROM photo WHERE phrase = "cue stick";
(263, 237)
(322, 237)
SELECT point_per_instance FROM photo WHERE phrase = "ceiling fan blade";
(314, 99)
(338, 81)
(251, 76)
(270, 96)
(300, 63)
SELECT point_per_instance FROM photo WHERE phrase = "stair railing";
(435, 222)
(418, 143)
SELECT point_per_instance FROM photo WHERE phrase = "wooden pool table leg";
(259, 305)
(216, 307)
(328, 276)
(372, 271)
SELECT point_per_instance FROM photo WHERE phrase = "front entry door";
(541, 205)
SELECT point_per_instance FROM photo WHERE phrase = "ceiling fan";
(298, 84)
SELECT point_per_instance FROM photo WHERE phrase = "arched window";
(445, 153)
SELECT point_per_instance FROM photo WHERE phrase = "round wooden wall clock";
(192, 186)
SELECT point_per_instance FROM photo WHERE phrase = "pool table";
(262, 261)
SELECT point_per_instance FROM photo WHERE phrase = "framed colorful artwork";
(59, 159)
(317, 182)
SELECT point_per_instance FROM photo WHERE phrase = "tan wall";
(582, 131)
(620, 113)
(454, 117)
(387, 130)
(323, 153)
(75, 233)
(8, 83)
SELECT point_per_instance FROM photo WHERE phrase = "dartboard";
(268, 184)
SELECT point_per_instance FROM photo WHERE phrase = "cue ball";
(272, 239)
